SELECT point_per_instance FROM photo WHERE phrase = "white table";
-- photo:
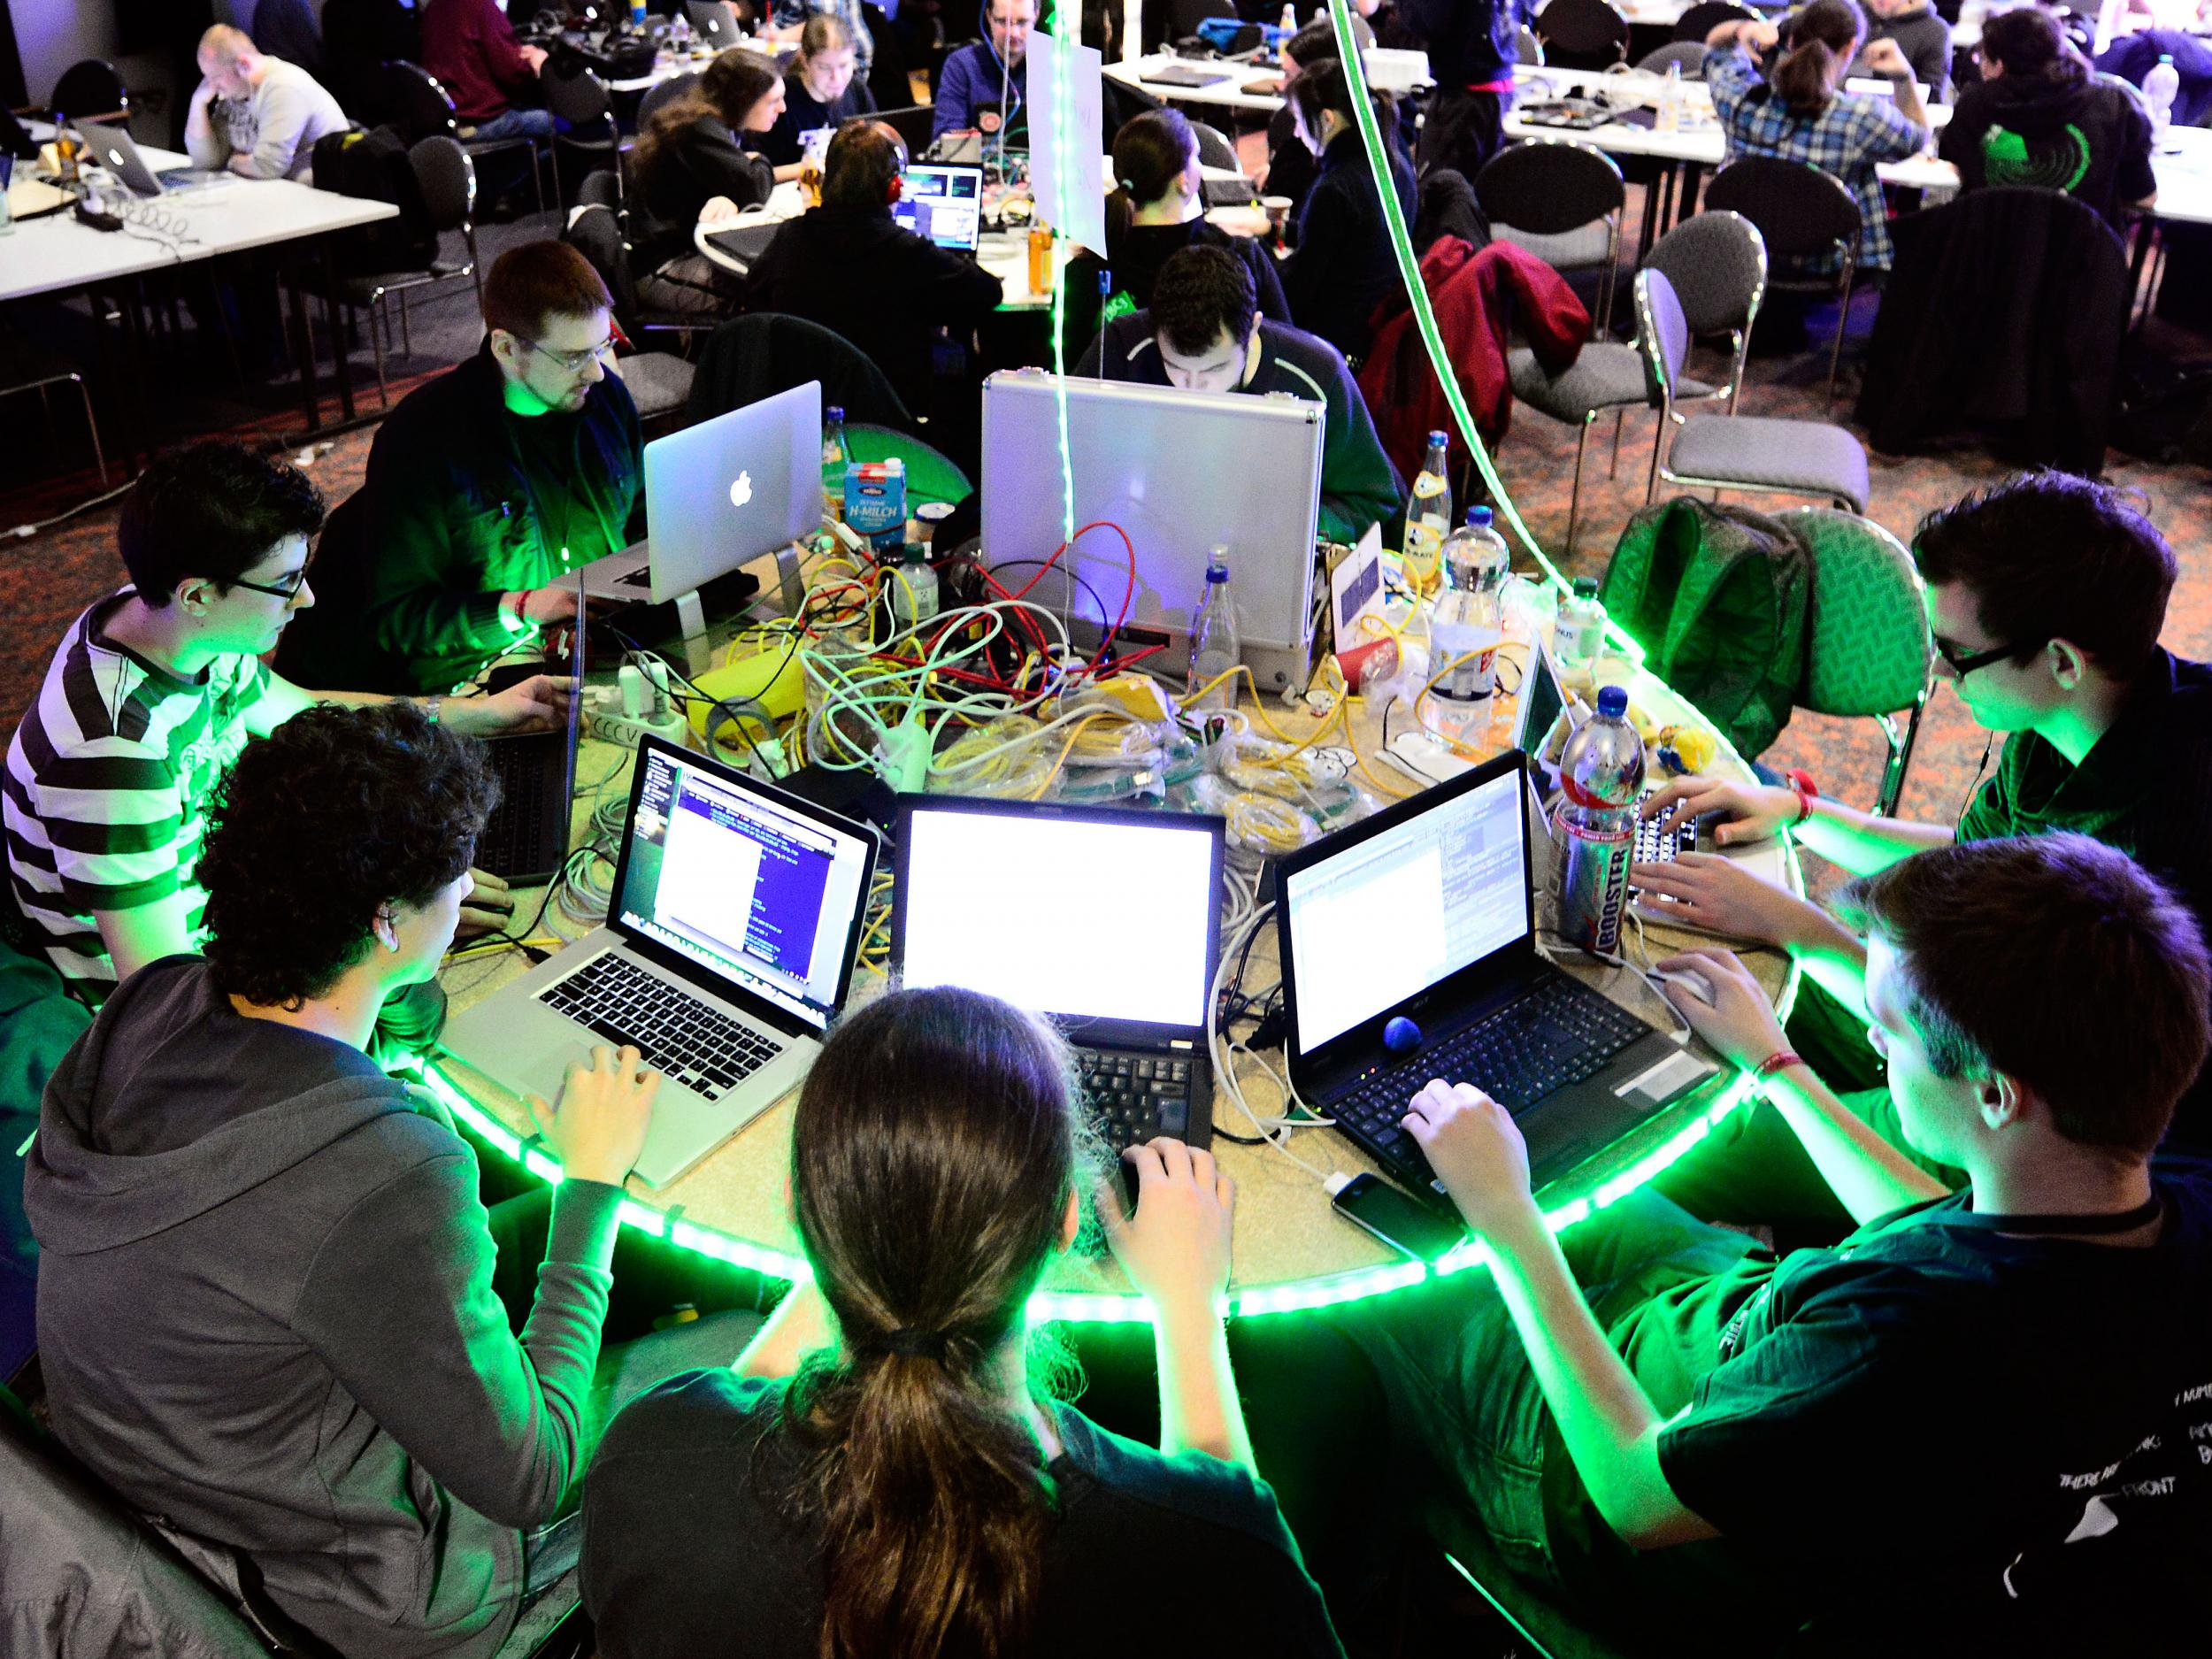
(1228, 93)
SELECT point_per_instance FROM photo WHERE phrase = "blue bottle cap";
(834, 413)
(1435, 438)
(1479, 515)
(1613, 701)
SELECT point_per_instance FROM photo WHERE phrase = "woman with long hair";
(1156, 209)
(1344, 265)
(691, 165)
(1799, 112)
(885, 1473)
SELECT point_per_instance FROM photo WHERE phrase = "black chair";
(1214, 147)
(1560, 199)
(420, 108)
(446, 180)
(1689, 56)
(1802, 213)
(579, 98)
(674, 86)
(1708, 15)
(659, 382)
(758, 355)
(91, 91)
(1582, 34)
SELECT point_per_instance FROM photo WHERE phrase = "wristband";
(1800, 784)
(1780, 1060)
(431, 706)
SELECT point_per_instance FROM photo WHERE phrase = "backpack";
(1718, 597)
(373, 165)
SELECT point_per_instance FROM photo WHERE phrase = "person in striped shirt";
(151, 696)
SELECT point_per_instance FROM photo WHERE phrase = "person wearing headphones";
(848, 266)
(986, 75)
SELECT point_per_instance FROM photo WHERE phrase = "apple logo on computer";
(741, 491)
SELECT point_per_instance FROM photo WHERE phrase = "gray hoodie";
(265, 1318)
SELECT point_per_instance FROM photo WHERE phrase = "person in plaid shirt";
(1798, 115)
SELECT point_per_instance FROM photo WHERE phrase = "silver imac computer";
(1182, 472)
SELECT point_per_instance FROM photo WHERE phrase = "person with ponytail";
(1798, 111)
(1344, 265)
(1156, 209)
(886, 1473)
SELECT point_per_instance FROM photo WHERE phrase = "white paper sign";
(1066, 162)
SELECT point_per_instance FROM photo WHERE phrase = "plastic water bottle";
(1216, 647)
(2161, 88)
(1669, 117)
(1428, 519)
(1579, 635)
(1475, 559)
(1464, 624)
(1288, 21)
(1595, 829)
(913, 588)
(835, 454)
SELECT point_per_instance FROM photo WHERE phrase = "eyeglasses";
(290, 590)
(1963, 663)
(573, 362)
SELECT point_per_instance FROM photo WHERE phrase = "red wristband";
(1780, 1060)
(1801, 785)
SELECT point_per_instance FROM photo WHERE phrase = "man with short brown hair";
(486, 487)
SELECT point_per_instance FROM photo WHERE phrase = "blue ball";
(1402, 1035)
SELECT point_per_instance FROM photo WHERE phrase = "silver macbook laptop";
(727, 951)
(112, 147)
(719, 496)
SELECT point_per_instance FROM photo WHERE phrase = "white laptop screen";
(762, 896)
(1076, 896)
(1392, 915)
(944, 203)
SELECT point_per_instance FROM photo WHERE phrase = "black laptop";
(526, 839)
(1425, 912)
(914, 123)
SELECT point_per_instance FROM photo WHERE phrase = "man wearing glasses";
(484, 488)
(2046, 595)
(149, 698)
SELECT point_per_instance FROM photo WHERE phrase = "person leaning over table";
(822, 91)
(1798, 112)
(149, 698)
(693, 167)
(1969, 1428)
(1921, 35)
(887, 1469)
(2046, 594)
(258, 117)
(788, 20)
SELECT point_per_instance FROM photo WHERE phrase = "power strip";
(611, 725)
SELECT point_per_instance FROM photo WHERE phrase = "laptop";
(112, 147)
(1450, 869)
(915, 124)
(719, 496)
(1086, 882)
(526, 839)
(943, 203)
(727, 951)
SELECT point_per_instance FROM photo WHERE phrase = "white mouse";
(1690, 979)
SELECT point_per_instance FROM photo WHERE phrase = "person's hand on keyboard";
(1720, 895)
(1176, 1247)
(1739, 1024)
(1476, 1151)
(1755, 811)
(599, 1128)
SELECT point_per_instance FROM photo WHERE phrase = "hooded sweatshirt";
(2090, 137)
(265, 1318)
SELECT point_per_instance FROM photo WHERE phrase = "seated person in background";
(2175, 33)
(1204, 334)
(485, 486)
(975, 78)
(846, 265)
(2029, 1345)
(1343, 265)
(315, 1372)
(1921, 35)
(821, 92)
(2046, 594)
(882, 1472)
(470, 46)
(1155, 211)
(2040, 116)
(788, 20)
(1290, 170)
(149, 698)
(1798, 115)
(259, 117)
(692, 167)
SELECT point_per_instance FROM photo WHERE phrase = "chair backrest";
(1663, 333)
(1526, 48)
(91, 91)
(416, 104)
(1582, 33)
(601, 188)
(1708, 15)
(579, 97)
(1716, 262)
(1869, 649)
(762, 353)
(1690, 55)
(594, 233)
(1214, 147)
(674, 86)
(447, 178)
(1547, 185)
(1801, 210)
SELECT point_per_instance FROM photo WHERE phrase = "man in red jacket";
(471, 47)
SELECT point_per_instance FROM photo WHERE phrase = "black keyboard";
(709, 1053)
(1134, 1097)
(513, 839)
(1561, 1033)
(1653, 847)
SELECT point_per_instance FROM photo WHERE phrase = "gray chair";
(1717, 262)
(1804, 214)
(659, 381)
(1868, 649)
(446, 180)
(1689, 55)
(1746, 452)
(581, 99)
(1560, 199)
(1606, 376)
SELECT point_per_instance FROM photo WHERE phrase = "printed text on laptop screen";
(1117, 914)
(1388, 917)
(762, 896)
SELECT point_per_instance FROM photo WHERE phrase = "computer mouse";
(1690, 979)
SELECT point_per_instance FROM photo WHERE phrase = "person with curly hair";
(317, 1372)
(151, 696)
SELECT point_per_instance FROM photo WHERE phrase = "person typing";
(693, 166)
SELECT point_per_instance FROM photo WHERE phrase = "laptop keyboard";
(1559, 1034)
(708, 1052)
(1655, 846)
(1134, 1097)
(513, 837)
